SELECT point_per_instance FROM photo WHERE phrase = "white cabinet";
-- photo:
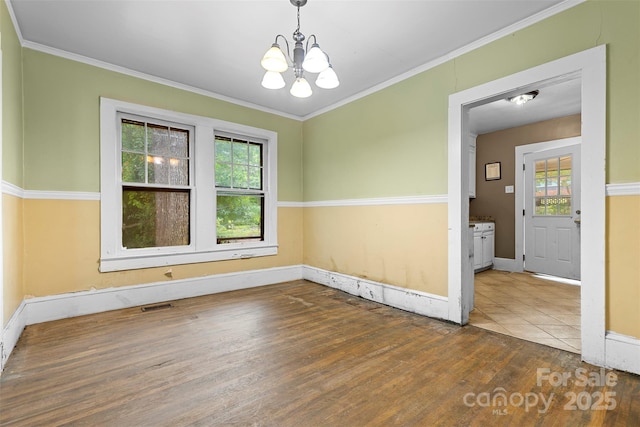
(472, 167)
(483, 245)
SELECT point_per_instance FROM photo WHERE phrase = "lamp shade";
(272, 80)
(301, 88)
(328, 79)
(274, 60)
(316, 60)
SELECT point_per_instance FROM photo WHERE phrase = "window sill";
(165, 260)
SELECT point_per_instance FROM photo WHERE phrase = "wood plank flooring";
(295, 354)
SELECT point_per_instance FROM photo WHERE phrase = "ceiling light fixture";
(312, 60)
(523, 98)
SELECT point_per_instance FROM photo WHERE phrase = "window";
(178, 188)
(156, 197)
(553, 186)
(240, 194)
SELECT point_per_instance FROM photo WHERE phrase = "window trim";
(203, 246)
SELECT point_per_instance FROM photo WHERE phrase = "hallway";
(529, 308)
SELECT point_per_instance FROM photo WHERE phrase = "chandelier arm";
(308, 40)
(286, 42)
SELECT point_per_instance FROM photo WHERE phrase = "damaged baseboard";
(418, 302)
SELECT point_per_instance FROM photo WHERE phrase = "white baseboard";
(622, 352)
(62, 306)
(411, 300)
(45, 309)
(11, 333)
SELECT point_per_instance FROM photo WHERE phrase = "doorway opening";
(590, 67)
(533, 307)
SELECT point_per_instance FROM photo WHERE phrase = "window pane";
(564, 206)
(168, 170)
(132, 136)
(565, 185)
(154, 218)
(240, 177)
(255, 154)
(157, 139)
(223, 151)
(552, 205)
(166, 141)
(255, 178)
(540, 206)
(132, 167)
(179, 144)
(223, 175)
(239, 217)
(540, 187)
(240, 153)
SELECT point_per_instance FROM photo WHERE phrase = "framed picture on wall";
(492, 171)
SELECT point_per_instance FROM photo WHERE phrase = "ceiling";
(215, 46)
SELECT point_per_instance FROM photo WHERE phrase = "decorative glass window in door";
(552, 194)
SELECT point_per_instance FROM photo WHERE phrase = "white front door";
(552, 212)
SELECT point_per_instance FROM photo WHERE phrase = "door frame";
(590, 66)
(521, 151)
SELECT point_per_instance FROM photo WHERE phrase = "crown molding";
(149, 77)
(560, 7)
(14, 21)
(554, 10)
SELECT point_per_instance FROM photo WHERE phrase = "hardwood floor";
(296, 354)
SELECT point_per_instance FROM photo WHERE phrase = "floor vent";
(156, 307)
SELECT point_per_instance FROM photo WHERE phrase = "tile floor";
(529, 308)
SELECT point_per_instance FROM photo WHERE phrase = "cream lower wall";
(401, 245)
(13, 250)
(62, 241)
(623, 265)
(406, 246)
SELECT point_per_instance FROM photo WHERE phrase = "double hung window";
(179, 188)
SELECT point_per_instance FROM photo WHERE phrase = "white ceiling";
(558, 100)
(216, 46)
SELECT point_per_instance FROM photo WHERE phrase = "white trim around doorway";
(590, 67)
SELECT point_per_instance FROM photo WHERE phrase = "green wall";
(394, 142)
(11, 100)
(61, 121)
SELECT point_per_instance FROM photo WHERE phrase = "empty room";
(320, 213)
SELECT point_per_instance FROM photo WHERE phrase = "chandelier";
(312, 60)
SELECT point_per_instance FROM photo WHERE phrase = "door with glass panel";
(552, 212)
